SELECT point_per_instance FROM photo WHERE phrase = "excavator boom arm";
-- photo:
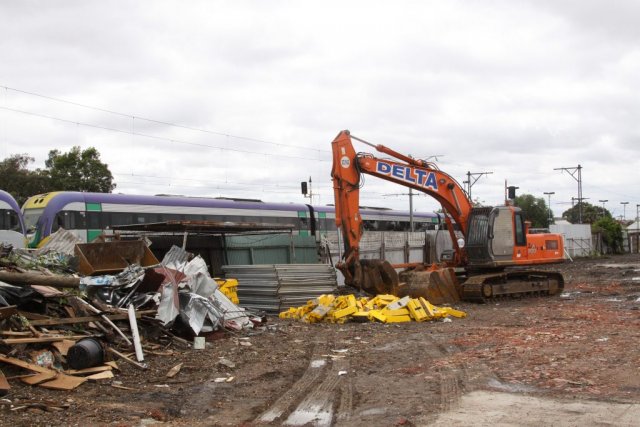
(406, 171)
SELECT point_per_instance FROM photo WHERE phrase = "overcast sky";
(259, 89)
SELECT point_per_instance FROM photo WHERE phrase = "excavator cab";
(499, 236)
(494, 233)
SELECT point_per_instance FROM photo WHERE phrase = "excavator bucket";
(438, 285)
(373, 276)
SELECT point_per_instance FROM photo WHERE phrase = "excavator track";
(525, 283)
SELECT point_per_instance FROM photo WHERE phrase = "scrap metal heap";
(68, 311)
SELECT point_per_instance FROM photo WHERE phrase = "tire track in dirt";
(317, 406)
(378, 386)
(284, 404)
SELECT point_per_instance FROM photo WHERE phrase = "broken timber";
(25, 279)
(86, 319)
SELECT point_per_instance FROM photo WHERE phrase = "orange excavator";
(494, 257)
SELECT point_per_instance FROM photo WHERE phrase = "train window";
(121, 218)
(105, 220)
(168, 217)
(267, 220)
(93, 220)
(10, 221)
(421, 226)
(233, 218)
(551, 244)
(329, 224)
(58, 221)
(69, 220)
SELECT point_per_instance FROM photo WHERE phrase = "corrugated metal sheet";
(176, 257)
(271, 249)
(276, 287)
(62, 241)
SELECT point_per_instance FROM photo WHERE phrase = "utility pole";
(576, 173)
(475, 176)
(549, 193)
(411, 209)
(624, 210)
(603, 202)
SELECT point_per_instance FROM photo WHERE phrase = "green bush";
(611, 232)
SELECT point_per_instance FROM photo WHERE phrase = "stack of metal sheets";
(276, 287)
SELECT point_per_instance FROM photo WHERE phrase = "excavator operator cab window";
(521, 237)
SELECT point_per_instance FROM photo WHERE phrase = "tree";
(79, 171)
(534, 209)
(611, 232)
(19, 181)
(590, 213)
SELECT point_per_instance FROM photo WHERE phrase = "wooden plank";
(16, 333)
(36, 340)
(121, 387)
(6, 312)
(100, 376)
(85, 319)
(174, 371)
(4, 385)
(25, 279)
(126, 358)
(22, 364)
(113, 325)
(92, 370)
(39, 378)
(32, 316)
(47, 291)
(64, 382)
(113, 364)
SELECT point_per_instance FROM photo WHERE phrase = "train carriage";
(12, 227)
(89, 214)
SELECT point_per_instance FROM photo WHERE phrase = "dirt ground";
(568, 360)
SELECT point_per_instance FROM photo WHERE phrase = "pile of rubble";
(67, 318)
(382, 308)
